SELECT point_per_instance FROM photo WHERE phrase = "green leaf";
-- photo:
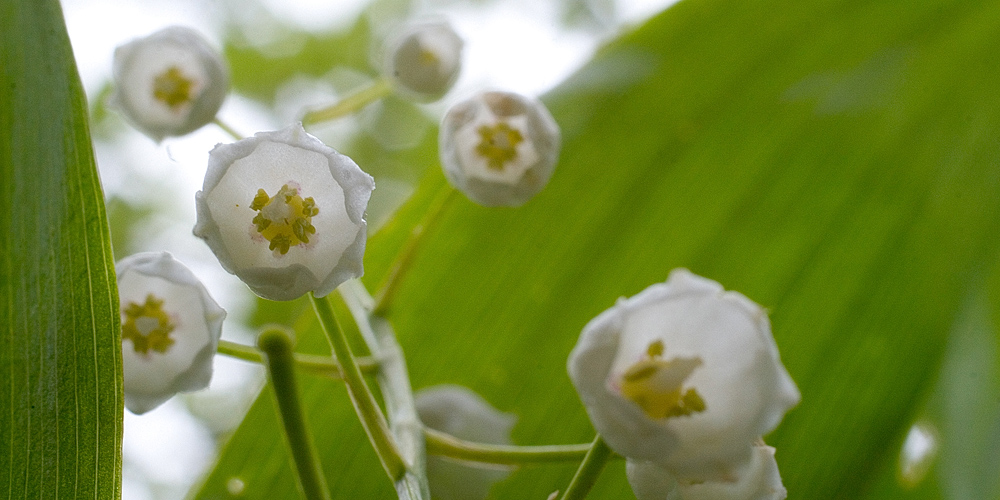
(836, 161)
(60, 347)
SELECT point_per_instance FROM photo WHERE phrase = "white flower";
(169, 83)
(170, 329)
(684, 375)
(499, 148)
(462, 413)
(424, 59)
(757, 480)
(285, 213)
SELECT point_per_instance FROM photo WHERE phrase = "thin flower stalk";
(364, 402)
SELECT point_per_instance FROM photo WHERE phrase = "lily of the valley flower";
(285, 213)
(756, 480)
(169, 83)
(423, 61)
(499, 148)
(684, 375)
(170, 329)
(465, 415)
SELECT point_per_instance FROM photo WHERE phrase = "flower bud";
(757, 480)
(285, 213)
(169, 83)
(499, 148)
(424, 60)
(685, 375)
(464, 414)
(170, 329)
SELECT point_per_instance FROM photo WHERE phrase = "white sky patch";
(918, 454)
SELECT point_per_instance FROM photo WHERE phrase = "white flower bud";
(462, 413)
(424, 60)
(499, 148)
(169, 83)
(170, 329)
(285, 213)
(684, 375)
(757, 480)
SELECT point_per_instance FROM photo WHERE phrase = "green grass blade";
(60, 348)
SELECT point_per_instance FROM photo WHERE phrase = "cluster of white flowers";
(683, 379)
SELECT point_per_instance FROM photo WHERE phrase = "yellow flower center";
(172, 87)
(498, 144)
(147, 326)
(655, 384)
(428, 57)
(285, 220)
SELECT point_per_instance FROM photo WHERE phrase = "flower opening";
(147, 326)
(285, 213)
(173, 88)
(655, 384)
(170, 329)
(424, 60)
(684, 375)
(169, 83)
(284, 220)
(499, 148)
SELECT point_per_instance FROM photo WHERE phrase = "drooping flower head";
(285, 213)
(424, 59)
(169, 83)
(499, 148)
(464, 414)
(684, 375)
(170, 329)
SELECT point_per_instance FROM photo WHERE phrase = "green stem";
(355, 102)
(589, 470)
(387, 292)
(227, 129)
(397, 392)
(440, 443)
(364, 402)
(277, 347)
(319, 365)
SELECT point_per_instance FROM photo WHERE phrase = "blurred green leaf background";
(837, 161)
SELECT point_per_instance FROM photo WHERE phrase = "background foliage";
(835, 160)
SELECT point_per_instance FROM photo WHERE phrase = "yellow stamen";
(656, 385)
(284, 220)
(173, 88)
(147, 326)
(498, 144)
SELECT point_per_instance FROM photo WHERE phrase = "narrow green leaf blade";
(60, 347)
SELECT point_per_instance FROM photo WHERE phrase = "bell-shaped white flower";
(685, 375)
(285, 213)
(170, 329)
(169, 83)
(424, 59)
(499, 148)
(462, 413)
(757, 480)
